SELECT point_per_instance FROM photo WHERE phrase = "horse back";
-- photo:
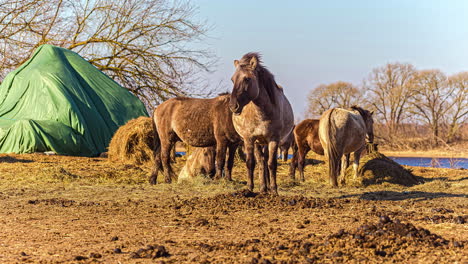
(343, 129)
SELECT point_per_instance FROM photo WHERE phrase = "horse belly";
(196, 136)
(354, 144)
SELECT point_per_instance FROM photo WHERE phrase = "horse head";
(246, 82)
(368, 120)
(207, 161)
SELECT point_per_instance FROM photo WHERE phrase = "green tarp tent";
(57, 101)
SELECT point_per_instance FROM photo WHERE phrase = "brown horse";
(262, 117)
(306, 138)
(341, 132)
(198, 123)
(200, 161)
(285, 145)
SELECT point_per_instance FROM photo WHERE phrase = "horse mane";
(264, 75)
(362, 112)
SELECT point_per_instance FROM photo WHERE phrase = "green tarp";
(57, 101)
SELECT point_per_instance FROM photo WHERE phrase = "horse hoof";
(152, 181)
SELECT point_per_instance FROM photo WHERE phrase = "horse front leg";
(220, 158)
(285, 154)
(273, 165)
(344, 166)
(230, 162)
(250, 162)
(266, 174)
(260, 159)
(302, 152)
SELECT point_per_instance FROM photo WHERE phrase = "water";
(455, 163)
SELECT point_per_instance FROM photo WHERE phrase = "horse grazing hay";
(200, 162)
(133, 142)
(377, 168)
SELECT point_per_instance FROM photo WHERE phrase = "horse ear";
(253, 62)
(236, 63)
(371, 112)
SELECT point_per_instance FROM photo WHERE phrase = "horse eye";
(247, 79)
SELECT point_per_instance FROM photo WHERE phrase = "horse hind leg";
(357, 157)
(156, 167)
(166, 161)
(334, 164)
(344, 166)
(293, 163)
(156, 156)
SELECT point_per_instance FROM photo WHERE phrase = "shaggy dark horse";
(198, 123)
(341, 132)
(262, 117)
(306, 138)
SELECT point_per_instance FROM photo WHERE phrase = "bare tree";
(389, 91)
(431, 99)
(457, 113)
(326, 96)
(146, 46)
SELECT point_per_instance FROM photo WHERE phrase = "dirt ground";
(56, 209)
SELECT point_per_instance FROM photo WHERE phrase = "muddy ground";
(56, 209)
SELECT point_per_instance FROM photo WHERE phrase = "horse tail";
(156, 151)
(334, 157)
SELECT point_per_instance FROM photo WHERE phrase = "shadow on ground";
(8, 159)
(399, 196)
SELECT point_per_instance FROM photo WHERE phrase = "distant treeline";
(410, 104)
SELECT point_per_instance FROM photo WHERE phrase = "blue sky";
(306, 43)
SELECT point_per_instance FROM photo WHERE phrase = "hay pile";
(133, 142)
(376, 168)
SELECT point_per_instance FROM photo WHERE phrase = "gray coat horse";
(262, 117)
(341, 132)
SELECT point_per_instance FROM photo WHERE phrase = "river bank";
(426, 154)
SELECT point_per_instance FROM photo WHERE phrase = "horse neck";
(263, 100)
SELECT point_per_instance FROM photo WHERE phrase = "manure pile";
(376, 168)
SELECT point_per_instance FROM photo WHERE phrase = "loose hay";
(133, 142)
(376, 168)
